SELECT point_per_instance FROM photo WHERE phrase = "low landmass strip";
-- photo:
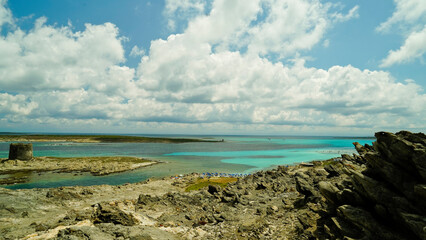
(18, 170)
(96, 139)
(378, 193)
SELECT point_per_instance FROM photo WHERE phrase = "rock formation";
(385, 198)
(21, 151)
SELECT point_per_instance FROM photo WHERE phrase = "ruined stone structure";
(21, 151)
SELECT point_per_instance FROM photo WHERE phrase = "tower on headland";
(21, 151)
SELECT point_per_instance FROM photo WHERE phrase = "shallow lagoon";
(235, 155)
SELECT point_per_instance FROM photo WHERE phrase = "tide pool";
(237, 154)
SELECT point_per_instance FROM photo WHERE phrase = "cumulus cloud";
(410, 19)
(414, 47)
(16, 104)
(217, 73)
(49, 57)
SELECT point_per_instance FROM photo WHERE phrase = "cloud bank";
(236, 65)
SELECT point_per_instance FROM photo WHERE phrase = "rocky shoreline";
(378, 193)
(18, 170)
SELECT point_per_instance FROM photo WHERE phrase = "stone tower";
(21, 151)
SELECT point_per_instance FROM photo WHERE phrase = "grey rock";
(329, 191)
(416, 223)
(83, 232)
(366, 222)
(333, 170)
(303, 186)
(106, 213)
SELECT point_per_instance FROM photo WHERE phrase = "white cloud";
(136, 51)
(264, 27)
(410, 19)
(353, 13)
(48, 57)
(326, 43)
(414, 47)
(177, 10)
(407, 12)
(173, 6)
(5, 14)
(16, 105)
(201, 77)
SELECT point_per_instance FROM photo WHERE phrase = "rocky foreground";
(378, 194)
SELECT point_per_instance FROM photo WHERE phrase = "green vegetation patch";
(329, 162)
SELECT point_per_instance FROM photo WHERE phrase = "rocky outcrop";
(383, 199)
(110, 213)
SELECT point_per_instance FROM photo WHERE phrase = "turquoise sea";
(237, 154)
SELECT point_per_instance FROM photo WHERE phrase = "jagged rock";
(366, 222)
(420, 192)
(84, 232)
(391, 173)
(359, 148)
(416, 223)
(332, 170)
(346, 228)
(329, 191)
(397, 149)
(146, 199)
(107, 213)
(303, 186)
(384, 198)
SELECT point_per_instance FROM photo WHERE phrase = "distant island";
(95, 139)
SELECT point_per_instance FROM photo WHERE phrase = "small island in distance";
(95, 139)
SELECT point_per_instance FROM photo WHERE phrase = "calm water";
(234, 155)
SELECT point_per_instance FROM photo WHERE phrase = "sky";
(264, 67)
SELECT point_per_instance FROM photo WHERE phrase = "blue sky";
(214, 66)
